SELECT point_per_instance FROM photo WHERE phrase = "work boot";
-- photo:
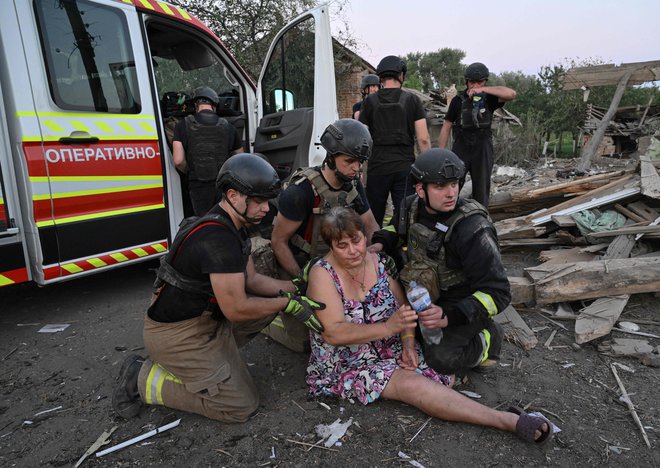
(496, 338)
(126, 399)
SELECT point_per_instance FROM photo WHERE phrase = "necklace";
(364, 271)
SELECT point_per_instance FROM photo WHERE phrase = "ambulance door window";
(89, 59)
(297, 93)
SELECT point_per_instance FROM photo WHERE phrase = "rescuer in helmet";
(368, 85)
(395, 119)
(470, 117)
(449, 245)
(202, 143)
(209, 301)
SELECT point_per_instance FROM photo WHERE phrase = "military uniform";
(456, 257)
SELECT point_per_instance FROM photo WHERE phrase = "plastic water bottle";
(420, 300)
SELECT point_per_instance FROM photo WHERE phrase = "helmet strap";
(243, 215)
(427, 199)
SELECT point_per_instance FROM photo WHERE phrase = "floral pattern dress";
(361, 371)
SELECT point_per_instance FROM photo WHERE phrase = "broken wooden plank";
(597, 319)
(572, 255)
(563, 220)
(650, 183)
(627, 230)
(629, 214)
(620, 247)
(515, 328)
(611, 192)
(554, 188)
(643, 210)
(590, 280)
(522, 290)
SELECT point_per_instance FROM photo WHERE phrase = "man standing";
(395, 118)
(369, 85)
(202, 143)
(312, 192)
(209, 302)
(451, 249)
(470, 117)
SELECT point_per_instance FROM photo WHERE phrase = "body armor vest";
(426, 261)
(167, 274)
(390, 122)
(207, 148)
(475, 114)
(325, 198)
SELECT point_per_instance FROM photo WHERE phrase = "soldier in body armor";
(208, 302)
(469, 117)
(313, 191)
(202, 143)
(449, 245)
(396, 118)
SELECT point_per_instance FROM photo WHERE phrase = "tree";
(246, 27)
(432, 70)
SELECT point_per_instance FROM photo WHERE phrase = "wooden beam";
(629, 214)
(609, 74)
(650, 183)
(590, 150)
(515, 328)
(590, 280)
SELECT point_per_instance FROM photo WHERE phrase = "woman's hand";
(409, 358)
(404, 318)
(433, 317)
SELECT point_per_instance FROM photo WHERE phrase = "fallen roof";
(610, 74)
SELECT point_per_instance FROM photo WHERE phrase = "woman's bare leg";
(444, 403)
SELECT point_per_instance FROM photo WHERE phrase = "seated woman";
(368, 347)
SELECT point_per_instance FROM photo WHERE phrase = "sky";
(508, 35)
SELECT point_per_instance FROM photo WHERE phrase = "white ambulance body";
(89, 90)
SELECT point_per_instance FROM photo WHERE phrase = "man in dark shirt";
(313, 191)
(395, 118)
(209, 302)
(369, 84)
(202, 143)
(470, 117)
(450, 248)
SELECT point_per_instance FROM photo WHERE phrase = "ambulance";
(90, 90)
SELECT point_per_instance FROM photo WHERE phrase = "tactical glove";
(390, 265)
(302, 308)
(300, 281)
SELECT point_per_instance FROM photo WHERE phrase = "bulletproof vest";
(426, 260)
(325, 198)
(475, 114)
(390, 122)
(167, 274)
(207, 146)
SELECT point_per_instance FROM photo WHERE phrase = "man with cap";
(470, 116)
(202, 143)
(449, 245)
(210, 301)
(395, 119)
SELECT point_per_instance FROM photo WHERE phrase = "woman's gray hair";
(339, 222)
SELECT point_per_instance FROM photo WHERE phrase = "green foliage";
(246, 27)
(434, 69)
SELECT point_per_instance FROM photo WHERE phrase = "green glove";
(302, 308)
(300, 281)
(390, 265)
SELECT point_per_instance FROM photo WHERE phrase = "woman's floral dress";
(360, 371)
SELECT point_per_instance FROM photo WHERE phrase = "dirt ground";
(72, 373)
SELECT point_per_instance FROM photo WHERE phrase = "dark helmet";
(476, 71)
(437, 166)
(369, 80)
(349, 137)
(391, 66)
(207, 94)
(250, 174)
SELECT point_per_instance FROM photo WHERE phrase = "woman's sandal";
(528, 425)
